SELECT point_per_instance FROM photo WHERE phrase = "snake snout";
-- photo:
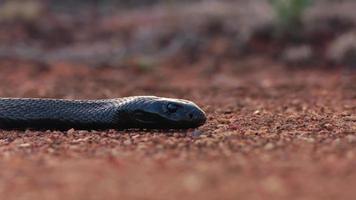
(197, 117)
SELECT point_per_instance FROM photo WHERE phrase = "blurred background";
(276, 79)
(95, 33)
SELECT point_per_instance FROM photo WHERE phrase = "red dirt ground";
(272, 133)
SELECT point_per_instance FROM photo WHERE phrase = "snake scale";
(149, 112)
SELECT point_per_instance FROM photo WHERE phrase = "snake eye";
(172, 108)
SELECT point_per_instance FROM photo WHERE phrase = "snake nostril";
(191, 115)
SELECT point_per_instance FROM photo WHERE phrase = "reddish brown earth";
(272, 133)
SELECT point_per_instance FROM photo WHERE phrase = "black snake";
(128, 112)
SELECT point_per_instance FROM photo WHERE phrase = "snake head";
(157, 112)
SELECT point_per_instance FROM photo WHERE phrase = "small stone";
(24, 145)
(82, 132)
(328, 126)
(71, 131)
(136, 136)
(79, 140)
(309, 140)
(197, 133)
(269, 146)
(257, 112)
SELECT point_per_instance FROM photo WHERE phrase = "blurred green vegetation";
(289, 13)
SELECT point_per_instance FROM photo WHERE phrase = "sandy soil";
(272, 133)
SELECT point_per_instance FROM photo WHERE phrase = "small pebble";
(24, 145)
(197, 133)
(269, 146)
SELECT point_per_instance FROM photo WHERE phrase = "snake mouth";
(152, 120)
(145, 118)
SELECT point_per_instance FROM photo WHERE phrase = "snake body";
(120, 113)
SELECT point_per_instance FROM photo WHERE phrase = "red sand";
(271, 133)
